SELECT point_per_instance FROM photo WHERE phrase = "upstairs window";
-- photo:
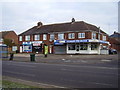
(93, 35)
(27, 38)
(60, 36)
(36, 37)
(81, 35)
(44, 36)
(104, 38)
(71, 35)
(51, 37)
(20, 38)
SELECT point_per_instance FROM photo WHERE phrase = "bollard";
(11, 56)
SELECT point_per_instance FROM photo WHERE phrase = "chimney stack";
(73, 20)
(39, 24)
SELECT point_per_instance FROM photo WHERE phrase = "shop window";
(104, 47)
(83, 47)
(44, 36)
(36, 37)
(27, 49)
(93, 35)
(71, 47)
(14, 48)
(93, 46)
(71, 35)
(51, 37)
(27, 38)
(20, 38)
(60, 36)
(104, 38)
(81, 35)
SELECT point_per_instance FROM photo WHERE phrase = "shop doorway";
(77, 47)
(37, 49)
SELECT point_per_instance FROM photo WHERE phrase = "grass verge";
(9, 84)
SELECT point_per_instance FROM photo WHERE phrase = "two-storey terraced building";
(75, 37)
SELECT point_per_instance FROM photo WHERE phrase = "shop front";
(34, 46)
(87, 46)
(59, 47)
(37, 47)
(27, 47)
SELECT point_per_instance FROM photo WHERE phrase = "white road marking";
(33, 75)
(19, 65)
(105, 84)
(68, 65)
(106, 60)
(116, 74)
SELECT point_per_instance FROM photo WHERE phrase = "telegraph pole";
(99, 34)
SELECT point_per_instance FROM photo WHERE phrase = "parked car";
(112, 51)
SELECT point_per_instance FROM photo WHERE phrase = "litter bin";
(32, 57)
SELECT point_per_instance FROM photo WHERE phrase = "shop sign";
(70, 41)
(101, 41)
(76, 41)
(27, 43)
(57, 43)
(33, 42)
(37, 42)
(61, 42)
(93, 40)
(84, 40)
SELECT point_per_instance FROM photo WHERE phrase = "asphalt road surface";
(71, 76)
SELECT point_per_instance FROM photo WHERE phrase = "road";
(71, 76)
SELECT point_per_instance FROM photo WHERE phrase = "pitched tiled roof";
(61, 27)
(115, 35)
(3, 33)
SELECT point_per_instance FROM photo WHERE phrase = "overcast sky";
(20, 16)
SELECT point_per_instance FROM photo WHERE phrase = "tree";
(8, 42)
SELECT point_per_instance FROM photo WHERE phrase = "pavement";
(69, 59)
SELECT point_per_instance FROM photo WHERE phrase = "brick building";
(114, 40)
(75, 37)
(10, 38)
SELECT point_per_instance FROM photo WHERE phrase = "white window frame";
(20, 38)
(14, 48)
(52, 37)
(71, 35)
(44, 36)
(36, 37)
(104, 37)
(60, 35)
(93, 35)
(27, 38)
(81, 35)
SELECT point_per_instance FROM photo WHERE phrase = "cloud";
(20, 16)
